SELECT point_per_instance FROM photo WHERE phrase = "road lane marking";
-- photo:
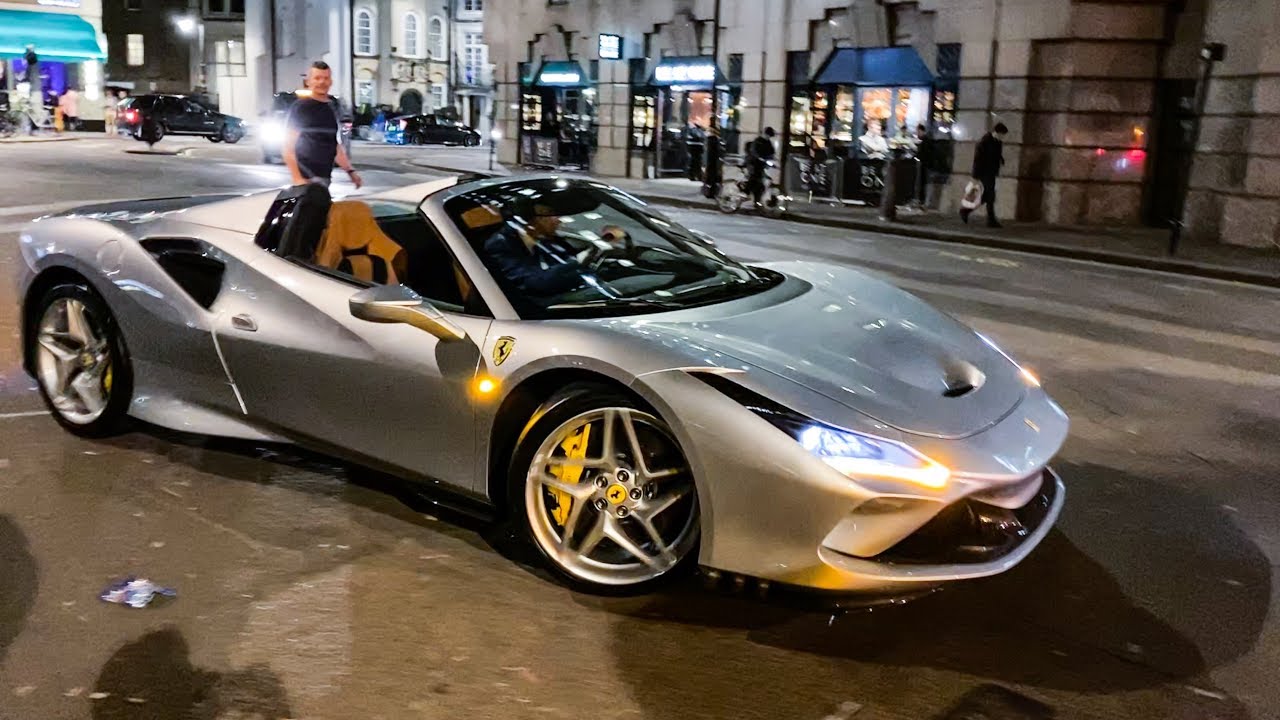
(25, 414)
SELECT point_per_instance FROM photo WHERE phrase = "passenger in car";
(354, 244)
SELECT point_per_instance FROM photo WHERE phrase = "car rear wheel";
(81, 365)
(604, 493)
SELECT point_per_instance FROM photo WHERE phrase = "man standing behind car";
(311, 143)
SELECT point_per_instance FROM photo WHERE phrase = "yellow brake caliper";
(106, 379)
(575, 448)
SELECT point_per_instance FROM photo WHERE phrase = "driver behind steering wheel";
(525, 252)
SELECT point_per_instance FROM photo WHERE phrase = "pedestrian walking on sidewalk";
(109, 107)
(987, 160)
(69, 104)
(312, 144)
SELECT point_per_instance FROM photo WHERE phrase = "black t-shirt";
(317, 126)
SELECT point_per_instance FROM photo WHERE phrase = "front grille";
(970, 532)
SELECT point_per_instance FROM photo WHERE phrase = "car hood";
(864, 344)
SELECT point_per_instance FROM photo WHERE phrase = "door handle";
(244, 322)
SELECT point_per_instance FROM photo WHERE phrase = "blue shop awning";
(561, 73)
(891, 66)
(57, 37)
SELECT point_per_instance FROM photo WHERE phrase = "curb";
(1143, 262)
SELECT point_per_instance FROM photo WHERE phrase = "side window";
(192, 108)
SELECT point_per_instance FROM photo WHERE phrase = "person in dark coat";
(927, 155)
(987, 160)
(523, 256)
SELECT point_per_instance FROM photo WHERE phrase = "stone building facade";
(1099, 95)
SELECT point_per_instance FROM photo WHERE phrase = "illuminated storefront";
(66, 40)
(557, 116)
(861, 106)
(672, 111)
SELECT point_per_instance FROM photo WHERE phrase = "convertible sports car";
(559, 352)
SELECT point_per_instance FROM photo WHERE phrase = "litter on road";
(135, 592)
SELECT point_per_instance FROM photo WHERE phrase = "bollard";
(889, 193)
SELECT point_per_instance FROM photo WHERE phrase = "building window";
(132, 4)
(134, 50)
(364, 92)
(735, 68)
(411, 47)
(473, 58)
(228, 59)
(364, 32)
(435, 38)
(223, 8)
(437, 97)
(473, 5)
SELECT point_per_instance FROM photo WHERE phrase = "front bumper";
(969, 539)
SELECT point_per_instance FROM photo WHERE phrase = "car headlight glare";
(273, 131)
(858, 455)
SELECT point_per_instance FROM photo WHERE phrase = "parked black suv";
(150, 117)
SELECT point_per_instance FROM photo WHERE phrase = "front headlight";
(858, 455)
(852, 453)
(272, 131)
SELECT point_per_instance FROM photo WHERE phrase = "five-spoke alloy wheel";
(80, 362)
(607, 495)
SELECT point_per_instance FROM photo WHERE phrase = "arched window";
(412, 48)
(435, 38)
(364, 32)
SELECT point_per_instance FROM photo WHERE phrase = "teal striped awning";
(57, 37)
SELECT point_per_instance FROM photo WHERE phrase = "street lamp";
(494, 136)
(188, 26)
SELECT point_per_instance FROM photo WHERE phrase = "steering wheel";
(598, 254)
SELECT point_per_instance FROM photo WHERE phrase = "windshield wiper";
(726, 291)
(614, 303)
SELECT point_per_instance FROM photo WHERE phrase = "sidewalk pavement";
(1139, 247)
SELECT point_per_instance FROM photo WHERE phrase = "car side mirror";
(399, 304)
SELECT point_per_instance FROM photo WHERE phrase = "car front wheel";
(82, 367)
(231, 135)
(603, 491)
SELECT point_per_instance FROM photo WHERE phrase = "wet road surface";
(308, 588)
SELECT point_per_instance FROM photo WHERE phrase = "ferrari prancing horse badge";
(502, 349)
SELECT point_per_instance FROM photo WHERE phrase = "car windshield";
(562, 248)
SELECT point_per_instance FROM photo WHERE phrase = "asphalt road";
(311, 589)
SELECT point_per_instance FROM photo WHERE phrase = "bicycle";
(734, 194)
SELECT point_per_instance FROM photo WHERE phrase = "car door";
(199, 119)
(169, 111)
(431, 130)
(304, 365)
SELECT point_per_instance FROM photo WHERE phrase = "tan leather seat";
(354, 244)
